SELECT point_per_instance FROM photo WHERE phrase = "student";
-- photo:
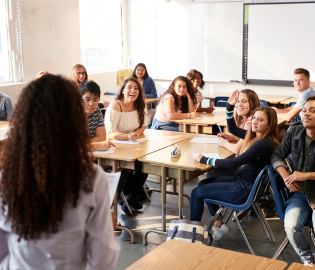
(41, 73)
(196, 79)
(175, 104)
(126, 120)
(259, 144)
(91, 97)
(55, 200)
(141, 74)
(6, 107)
(300, 143)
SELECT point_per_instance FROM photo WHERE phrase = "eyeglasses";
(81, 73)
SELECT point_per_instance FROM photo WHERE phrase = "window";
(4, 50)
(100, 34)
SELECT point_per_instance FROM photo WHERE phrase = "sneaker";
(218, 233)
(311, 264)
(126, 210)
(134, 202)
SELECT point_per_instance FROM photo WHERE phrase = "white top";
(124, 122)
(85, 235)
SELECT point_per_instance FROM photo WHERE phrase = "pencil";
(219, 128)
(197, 107)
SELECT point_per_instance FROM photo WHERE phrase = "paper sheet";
(208, 155)
(130, 142)
(3, 136)
(193, 118)
(112, 180)
(204, 140)
(5, 128)
(100, 152)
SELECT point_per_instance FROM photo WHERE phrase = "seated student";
(300, 143)
(259, 144)
(91, 96)
(6, 107)
(41, 73)
(176, 103)
(54, 202)
(141, 74)
(302, 85)
(196, 79)
(126, 120)
(79, 75)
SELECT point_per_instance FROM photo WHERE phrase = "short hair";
(91, 87)
(192, 74)
(311, 98)
(146, 74)
(74, 73)
(41, 73)
(302, 71)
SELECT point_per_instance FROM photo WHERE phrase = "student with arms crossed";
(300, 143)
(141, 74)
(259, 144)
(175, 104)
(54, 202)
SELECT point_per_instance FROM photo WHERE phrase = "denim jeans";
(297, 212)
(225, 188)
(164, 126)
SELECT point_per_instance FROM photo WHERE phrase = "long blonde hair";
(271, 131)
(74, 76)
(254, 103)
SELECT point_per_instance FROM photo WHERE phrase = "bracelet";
(189, 115)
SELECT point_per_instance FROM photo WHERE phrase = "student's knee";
(292, 225)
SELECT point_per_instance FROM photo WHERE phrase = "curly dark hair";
(146, 74)
(45, 161)
(171, 90)
(192, 74)
(139, 104)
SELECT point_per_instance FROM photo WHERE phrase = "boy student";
(5, 107)
(300, 142)
(91, 96)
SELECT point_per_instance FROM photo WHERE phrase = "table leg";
(180, 192)
(163, 197)
(197, 129)
(185, 128)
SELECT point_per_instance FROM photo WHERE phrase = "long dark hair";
(45, 162)
(171, 90)
(139, 104)
(146, 74)
(192, 74)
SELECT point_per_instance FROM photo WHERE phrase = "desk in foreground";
(182, 255)
(298, 266)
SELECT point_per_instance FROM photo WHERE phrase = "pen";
(197, 107)
(220, 129)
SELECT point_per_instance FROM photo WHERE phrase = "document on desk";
(112, 180)
(193, 118)
(101, 152)
(208, 155)
(204, 140)
(5, 128)
(130, 142)
(3, 136)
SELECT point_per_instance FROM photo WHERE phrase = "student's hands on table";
(197, 158)
(105, 145)
(193, 115)
(209, 109)
(222, 141)
(233, 98)
(133, 136)
(228, 137)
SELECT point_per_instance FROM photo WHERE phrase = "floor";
(150, 217)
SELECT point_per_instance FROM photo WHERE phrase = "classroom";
(194, 125)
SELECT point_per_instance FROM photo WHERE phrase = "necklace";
(127, 108)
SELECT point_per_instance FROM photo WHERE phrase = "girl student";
(196, 79)
(259, 144)
(176, 103)
(54, 202)
(141, 74)
(126, 120)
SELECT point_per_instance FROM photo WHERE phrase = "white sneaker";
(311, 264)
(218, 233)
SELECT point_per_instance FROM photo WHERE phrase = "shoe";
(241, 214)
(134, 202)
(311, 264)
(126, 210)
(218, 233)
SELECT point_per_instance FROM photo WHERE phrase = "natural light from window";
(4, 51)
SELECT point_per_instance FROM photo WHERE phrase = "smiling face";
(180, 88)
(140, 71)
(260, 123)
(131, 92)
(242, 105)
(308, 117)
(196, 81)
(301, 83)
(90, 102)
(81, 75)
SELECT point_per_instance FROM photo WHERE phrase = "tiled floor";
(150, 216)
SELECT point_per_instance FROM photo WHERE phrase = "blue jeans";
(164, 126)
(225, 188)
(297, 212)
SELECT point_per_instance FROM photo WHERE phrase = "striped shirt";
(199, 98)
(247, 123)
(95, 120)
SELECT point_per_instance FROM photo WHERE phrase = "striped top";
(199, 98)
(95, 120)
(247, 123)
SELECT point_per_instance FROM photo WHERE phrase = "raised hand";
(233, 98)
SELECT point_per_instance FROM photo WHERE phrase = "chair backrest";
(263, 103)
(110, 93)
(291, 104)
(220, 101)
(297, 118)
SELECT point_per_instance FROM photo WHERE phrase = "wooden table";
(111, 98)
(181, 255)
(182, 168)
(3, 131)
(298, 266)
(205, 125)
(126, 155)
(287, 101)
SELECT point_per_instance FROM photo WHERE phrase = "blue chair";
(259, 188)
(110, 93)
(220, 101)
(263, 103)
(297, 118)
(281, 194)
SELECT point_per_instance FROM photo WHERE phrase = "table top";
(175, 254)
(218, 115)
(4, 123)
(291, 99)
(185, 160)
(156, 140)
(223, 123)
(111, 98)
(3, 130)
(298, 266)
(269, 98)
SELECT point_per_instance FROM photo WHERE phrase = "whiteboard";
(280, 39)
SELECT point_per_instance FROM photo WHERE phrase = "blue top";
(95, 120)
(149, 88)
(5, 107)
(302, 99)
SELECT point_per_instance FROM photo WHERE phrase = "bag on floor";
(189, 231)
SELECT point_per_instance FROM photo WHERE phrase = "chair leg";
(146, 193)
(282, 246)
(227, 215)
(215, 218)
(125, 201)
(312, 235)
(243, 233)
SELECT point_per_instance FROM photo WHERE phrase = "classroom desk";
(3, 130)
(274, 99)
(298, 266)
(203, 125)
(111, 98)
(126, 155)
(182, 168)
(180, 255)
(287, 101)
(4, 123)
